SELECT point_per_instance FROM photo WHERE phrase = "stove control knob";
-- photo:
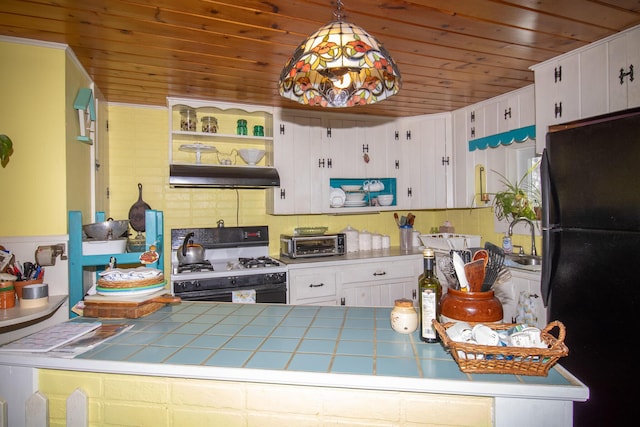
(233, 280)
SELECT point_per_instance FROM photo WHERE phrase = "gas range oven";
(236, 266)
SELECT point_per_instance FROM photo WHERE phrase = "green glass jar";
(242, 127)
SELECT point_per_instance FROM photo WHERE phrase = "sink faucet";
(534, 252)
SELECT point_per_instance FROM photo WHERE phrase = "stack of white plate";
(337, 198)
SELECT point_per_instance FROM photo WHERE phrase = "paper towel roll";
(45, 256)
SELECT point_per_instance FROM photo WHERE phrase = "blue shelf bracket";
(86, 114)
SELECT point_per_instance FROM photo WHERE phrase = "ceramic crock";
(470, 307)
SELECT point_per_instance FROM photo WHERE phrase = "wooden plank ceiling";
(451, 53)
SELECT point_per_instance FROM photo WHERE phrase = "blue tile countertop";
(289, 344)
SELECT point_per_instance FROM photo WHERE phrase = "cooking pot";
(189, 252)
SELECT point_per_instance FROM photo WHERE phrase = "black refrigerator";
(591, 258)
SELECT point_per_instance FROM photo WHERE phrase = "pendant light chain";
(339, 12)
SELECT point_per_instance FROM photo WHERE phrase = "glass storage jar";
(209, 124)
(242, 127)
(188, 119)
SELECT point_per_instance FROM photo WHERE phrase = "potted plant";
(6, 149)
(519, 199)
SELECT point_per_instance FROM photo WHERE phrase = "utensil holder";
(406, 238)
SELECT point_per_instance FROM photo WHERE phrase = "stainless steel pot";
(189, 252)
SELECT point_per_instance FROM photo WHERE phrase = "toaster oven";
(312, 246)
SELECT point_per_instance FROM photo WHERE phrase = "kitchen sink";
(527, 260)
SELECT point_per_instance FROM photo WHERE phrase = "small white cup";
(460, 332)
(484, 335)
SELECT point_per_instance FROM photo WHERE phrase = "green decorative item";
(518, 199)
(6, 149)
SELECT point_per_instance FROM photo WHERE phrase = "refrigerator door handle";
(545, 184)
(547, 251)
(545, 274)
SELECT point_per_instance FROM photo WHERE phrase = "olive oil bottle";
(429, 297)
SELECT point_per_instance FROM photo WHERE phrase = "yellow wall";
(122, 400)
(38, 84)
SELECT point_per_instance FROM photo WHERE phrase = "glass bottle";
(430, 292)
(188, 119)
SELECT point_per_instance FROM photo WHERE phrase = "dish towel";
(247, 296)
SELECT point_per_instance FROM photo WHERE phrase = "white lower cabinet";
(522, 295)
(379, 283)
(376, 282)
(313, 286)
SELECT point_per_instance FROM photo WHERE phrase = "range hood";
(208, 176)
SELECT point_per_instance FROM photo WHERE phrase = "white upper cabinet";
(516, 109)
(487, 121)
(421, 160)
(557, 94)
(462, 161)
(404, 159)
(297, 140)
(436, 176)
(624, 66)
(593, 80)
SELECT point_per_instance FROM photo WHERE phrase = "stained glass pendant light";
(340, 65)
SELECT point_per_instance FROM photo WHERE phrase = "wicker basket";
(485, 359)
(129, 284)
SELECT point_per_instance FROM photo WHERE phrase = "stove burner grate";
(195, 267)
(258, 262)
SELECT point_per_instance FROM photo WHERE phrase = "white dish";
(337, 197)
(351, 187)
(357, 196)
(147, 290)
(355, 203)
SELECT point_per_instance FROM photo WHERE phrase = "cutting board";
(126, 307)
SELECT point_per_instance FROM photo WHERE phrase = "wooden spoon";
(474, 271)
(482, 254)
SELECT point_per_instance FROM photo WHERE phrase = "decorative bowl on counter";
(251, 156)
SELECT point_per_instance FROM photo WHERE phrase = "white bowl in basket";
(251, 155)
